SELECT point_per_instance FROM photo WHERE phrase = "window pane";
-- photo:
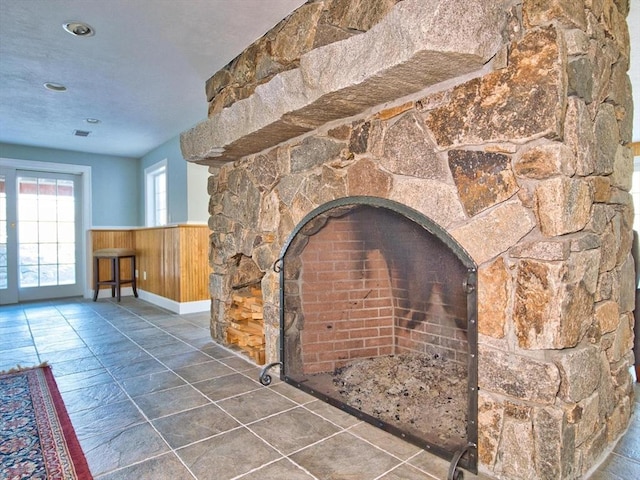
(48, 254)
(48, 232)
(29, 276)
(28, 254)
(66, 274)
(66, 252)
(48, 275)
(28, 232)
(66, 209)
(27, 208)
(66, 232)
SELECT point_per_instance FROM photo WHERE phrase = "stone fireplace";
(505, 124)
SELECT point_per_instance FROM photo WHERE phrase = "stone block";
(554, 444)
(563, 205)
(580, 75)
(548, 312)
(606, 389)
(490, 419)
(548, 250)
(607, 315)
(609, 250)
(584, 241)
(325, 186)
(579, 372)
(622, 168)
(570, 13)
(313, 152)
(593, 447)
(437, 200)
(622, 340)
(483, 179)
(579, 135)
(244, 273)
(364, 178)
(601, 187)
(408, 151)
(521, 102)
(487, 236)
(619, 419)
(607, 139)
(577, 41)
(264, 257)
(493, 282)
(627, 284)
(545, 160)
(359, 139)
(517, 376)
(583, 268)
(269, 213)
(517, 448)
(359, 15)
(264, 170)
(589, 420)
(296, 35)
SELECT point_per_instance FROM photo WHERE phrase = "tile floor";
(152, 397)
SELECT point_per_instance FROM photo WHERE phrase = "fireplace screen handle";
(265, 378)
(277, 265)
(454, 472)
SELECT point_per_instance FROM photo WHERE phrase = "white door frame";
(85, 226)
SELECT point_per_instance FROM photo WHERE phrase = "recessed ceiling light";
(78, 29)
(92, 120)
(56, 87)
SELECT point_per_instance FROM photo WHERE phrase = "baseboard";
(171, 305)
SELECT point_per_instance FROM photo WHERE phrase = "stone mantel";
(396, 57)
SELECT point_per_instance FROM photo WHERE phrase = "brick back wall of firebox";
(346, 297)
(353, 309)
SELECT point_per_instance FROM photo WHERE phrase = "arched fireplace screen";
(379, 318)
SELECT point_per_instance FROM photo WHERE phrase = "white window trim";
(149, 192)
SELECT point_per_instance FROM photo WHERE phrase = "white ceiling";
(143, 74)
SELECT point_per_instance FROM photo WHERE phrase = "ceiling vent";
(81, 133)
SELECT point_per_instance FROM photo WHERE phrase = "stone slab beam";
(418, 44)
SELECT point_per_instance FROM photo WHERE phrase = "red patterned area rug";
(37, 440)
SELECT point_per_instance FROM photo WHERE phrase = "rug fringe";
(20, 368)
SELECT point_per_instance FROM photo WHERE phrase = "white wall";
(197, 196)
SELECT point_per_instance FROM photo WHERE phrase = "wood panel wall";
(172, 262)
(111, 239)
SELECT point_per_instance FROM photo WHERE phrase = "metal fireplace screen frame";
(465, 456)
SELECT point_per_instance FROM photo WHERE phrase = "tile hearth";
(152, 396)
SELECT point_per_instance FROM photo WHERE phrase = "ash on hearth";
(417, 392)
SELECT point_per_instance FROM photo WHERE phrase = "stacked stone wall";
(529, 168)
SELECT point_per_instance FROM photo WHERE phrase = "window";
(156, 194)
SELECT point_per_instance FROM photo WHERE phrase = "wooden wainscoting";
(172, 262)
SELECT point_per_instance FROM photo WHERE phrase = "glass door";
(47, 234)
